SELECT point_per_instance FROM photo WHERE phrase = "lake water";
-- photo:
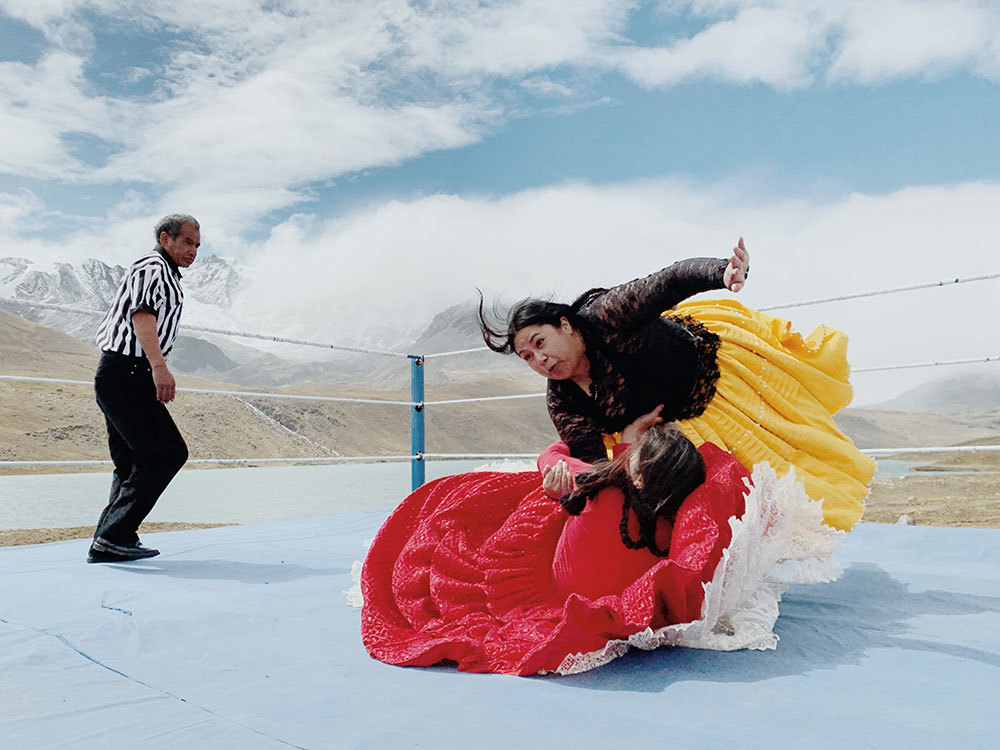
(240, 495)
(237, 495)
(885, 468)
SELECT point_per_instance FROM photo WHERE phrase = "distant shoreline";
(55, 471)
(938, 498)
(28, 471)
(19, 537)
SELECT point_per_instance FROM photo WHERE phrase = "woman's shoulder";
(719, 462)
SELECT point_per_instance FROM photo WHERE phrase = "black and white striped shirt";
(153, 284)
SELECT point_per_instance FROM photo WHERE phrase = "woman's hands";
(633, 432)
(739, 265)
(557, 480)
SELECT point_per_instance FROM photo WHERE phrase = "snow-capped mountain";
(210, 287)
(89, 285)
(214, 292)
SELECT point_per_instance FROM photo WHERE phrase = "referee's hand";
(166, 386)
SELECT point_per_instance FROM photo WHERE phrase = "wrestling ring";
(239, 637)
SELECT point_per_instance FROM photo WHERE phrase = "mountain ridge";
(214, 285)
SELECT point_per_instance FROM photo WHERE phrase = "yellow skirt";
(775, 399)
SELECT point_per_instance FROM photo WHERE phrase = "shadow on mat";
(227, 570)
(821, 627)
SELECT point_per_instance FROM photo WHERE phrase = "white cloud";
(260, 101)
(252, 108)
(545, 86)
(395, 264)
(41, 12)
(264, 134)
(510, 38)
(791, 43)
(895, 39)
(404, 261)
(19, 213)
(41, 104)
(774, 46)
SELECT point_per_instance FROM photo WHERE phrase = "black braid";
(627, 539)
(573, 503)
(647, 530)
(671, 468)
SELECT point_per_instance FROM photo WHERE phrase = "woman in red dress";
(489, 571)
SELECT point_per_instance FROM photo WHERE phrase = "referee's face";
(184, 247)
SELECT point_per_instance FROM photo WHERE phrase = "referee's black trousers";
(146, 447)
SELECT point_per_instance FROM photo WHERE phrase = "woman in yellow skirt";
(727, 374)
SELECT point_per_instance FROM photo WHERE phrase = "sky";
(371, 163)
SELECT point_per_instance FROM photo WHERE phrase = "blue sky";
(403, 153)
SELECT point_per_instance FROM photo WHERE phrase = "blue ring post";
(417, 464)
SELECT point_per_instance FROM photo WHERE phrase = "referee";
(133, 384)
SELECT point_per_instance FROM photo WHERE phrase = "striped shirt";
(153, 284)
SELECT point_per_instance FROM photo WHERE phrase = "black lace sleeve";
(629, 305)
(579, 431)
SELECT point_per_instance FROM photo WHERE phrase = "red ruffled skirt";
(484, 570)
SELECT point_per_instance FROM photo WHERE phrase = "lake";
(236, 495)
(240, 495)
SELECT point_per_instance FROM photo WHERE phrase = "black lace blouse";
(639, 359)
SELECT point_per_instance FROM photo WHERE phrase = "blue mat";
(240, 637)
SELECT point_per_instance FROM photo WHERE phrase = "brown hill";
(45, 421)
(896, 429)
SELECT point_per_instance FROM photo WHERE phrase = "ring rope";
(925, 364)
(224, 332)
(301, 342)
(939, 449)
(298, 459)
(212, 391)
(337, 347)
(459, 456)
(482, 398)
(879, 292)
(446, 402)
(784, 306)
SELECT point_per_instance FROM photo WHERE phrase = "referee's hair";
(171, 224)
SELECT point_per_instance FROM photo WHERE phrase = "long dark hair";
(670, 468)
(499, 335)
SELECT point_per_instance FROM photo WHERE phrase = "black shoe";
(104, 551)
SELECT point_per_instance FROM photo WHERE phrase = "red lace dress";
(484, 570)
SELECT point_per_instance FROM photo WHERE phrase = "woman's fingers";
(653, 418)
(736, 272)
(556, 480)
(742, 253)
(549, 486)
(563, 474)
(742, 256)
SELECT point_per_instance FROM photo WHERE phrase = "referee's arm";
(144, 325)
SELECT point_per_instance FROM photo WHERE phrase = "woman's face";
(556, 352)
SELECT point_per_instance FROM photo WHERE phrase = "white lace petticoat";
(780, 540)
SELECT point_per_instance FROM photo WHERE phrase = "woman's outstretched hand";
(633, 432)
(557, 480)
(739, 265)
